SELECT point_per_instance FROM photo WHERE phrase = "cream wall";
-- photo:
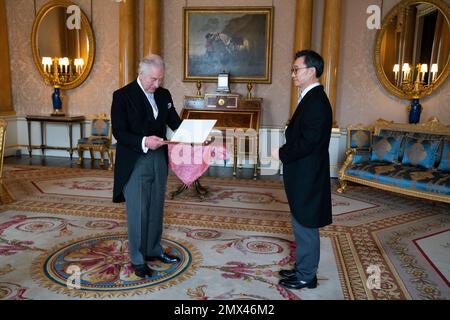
(276, 95)
(361, 97)
(30, 94)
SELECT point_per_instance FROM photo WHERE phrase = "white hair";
(150, 61)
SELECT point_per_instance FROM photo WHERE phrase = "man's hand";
(154, 142)
(276, 153)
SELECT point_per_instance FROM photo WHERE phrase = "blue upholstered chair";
(99, 138)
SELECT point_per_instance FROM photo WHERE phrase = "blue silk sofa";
(412, 159)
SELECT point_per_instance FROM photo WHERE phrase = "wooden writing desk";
(234, 121)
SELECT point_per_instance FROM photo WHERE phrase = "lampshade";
(424, 68)
(406, 67)
(434, 67)
(79, 62)
(63, 61)
(46, 61)
(396, 68)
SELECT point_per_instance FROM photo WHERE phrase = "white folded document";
(193, 131)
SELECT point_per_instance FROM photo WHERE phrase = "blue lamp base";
(415, 109)
(57, 103)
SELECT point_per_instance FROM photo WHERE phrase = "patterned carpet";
(61, 237)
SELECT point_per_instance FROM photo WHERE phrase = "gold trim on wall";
(331, 40)
(128, 42)
(6, 97)
(302, 40)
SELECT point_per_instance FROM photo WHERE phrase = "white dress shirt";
(306, 90)
(151, 100)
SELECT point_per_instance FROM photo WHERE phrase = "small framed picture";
(223, 82)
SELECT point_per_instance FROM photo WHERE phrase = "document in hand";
(193, 131)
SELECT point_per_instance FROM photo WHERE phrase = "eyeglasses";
(294, 70)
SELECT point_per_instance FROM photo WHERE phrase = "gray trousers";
(144, 195)
(307, 252)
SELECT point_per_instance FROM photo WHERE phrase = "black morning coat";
(132, 120)
(306, 163)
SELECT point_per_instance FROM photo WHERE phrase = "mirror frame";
(381, 75)
(84, 24)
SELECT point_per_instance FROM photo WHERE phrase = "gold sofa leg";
(342, 181)
(343, 184)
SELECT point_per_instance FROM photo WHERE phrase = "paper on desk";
(193, 131)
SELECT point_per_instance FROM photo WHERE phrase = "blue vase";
(414, 111)
(56, 99)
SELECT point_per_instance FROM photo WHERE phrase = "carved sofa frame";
(431, 128)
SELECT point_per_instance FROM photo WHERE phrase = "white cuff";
(144, 148)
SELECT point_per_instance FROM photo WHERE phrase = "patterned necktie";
(152, 101)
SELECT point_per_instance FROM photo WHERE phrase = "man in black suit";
(140, 112)
(306, 169)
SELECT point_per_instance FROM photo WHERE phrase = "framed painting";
(233, 40)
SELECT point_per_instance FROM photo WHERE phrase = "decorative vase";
(414, 111)
(57, 103)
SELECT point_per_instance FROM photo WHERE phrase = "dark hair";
(312, 59)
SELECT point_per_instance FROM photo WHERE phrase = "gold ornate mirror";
(63, 44)
(412, 50)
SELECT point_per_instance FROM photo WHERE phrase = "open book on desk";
(192, 131)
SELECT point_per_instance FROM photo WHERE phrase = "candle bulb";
(423, 70)
(61, 65)
(66, 65)
(434, 70)
(396, 71)
(79, 64)
(406, 69)
(46, 62)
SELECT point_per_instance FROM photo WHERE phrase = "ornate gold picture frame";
(234, 40)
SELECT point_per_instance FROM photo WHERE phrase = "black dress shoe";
(166, 258)
(142, 270)
(295, 283)
(287, 273)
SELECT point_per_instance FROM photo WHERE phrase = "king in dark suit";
(306, 169)
(140, 112)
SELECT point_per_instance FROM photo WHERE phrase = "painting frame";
(228, 39)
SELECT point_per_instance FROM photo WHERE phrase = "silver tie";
(152, 101)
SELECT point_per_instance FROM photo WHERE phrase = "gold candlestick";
(199, 87)
(249, 88)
